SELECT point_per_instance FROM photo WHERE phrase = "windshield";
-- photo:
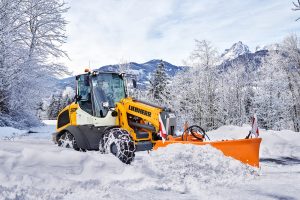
(107, 88)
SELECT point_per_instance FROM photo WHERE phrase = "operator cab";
(98, 92)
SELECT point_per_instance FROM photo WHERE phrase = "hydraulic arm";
(141, 117)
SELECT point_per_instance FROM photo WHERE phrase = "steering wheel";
(196, 131)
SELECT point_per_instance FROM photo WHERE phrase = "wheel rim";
(114, 149)
(67, 140)
(118, 142)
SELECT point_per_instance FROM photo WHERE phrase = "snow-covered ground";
(32, 167)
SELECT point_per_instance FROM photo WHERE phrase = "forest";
(212, 94)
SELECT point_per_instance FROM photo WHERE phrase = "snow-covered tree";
(236, 90)
(193, 93)
(31, 32)
(272, 95)
(9, 49)
(53, 108)
(59, 101)
(158, 83)
(68, 94)
(204, 61)
(40, 109)
(180, 97)
(291, 64)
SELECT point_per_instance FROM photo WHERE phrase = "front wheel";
(118, 142)
(67, 140)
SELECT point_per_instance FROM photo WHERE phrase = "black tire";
(118, 142)
(67, 140)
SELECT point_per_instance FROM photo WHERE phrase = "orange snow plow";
(245, 150)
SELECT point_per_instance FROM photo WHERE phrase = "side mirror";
(134, 83)
(78, 98)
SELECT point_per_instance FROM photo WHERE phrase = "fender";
(110, 127)
(87, 136)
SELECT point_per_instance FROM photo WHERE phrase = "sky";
(103, 32)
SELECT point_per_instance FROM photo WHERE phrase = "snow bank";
(10, 133)
(191, 168)
(32, 167)
(43, 170)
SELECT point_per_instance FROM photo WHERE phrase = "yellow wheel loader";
(105, 119)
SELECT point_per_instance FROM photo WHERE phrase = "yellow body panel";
(128, 104)
(72, 115)
(148, 114)
(72, 111)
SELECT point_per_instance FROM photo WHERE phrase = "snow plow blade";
(244, 150)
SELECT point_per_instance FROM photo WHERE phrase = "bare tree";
(291, 64)
(296, 7)
(31, 33)
(203, 85)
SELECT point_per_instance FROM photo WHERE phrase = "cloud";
(107, 31)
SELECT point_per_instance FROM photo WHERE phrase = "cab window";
(84, 93)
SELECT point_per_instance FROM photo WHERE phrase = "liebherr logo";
(141, 111)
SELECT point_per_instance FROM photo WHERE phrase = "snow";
(9, 132)
(32, 167)
(202, 167)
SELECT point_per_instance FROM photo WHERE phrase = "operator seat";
(86, 105)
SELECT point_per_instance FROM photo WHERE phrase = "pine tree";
(51, 110)
(40, 109)
(158, 84)
(59, 101)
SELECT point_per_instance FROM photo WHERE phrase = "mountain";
(240, 54)
(235, 51)
(250, 61)
(141, 71)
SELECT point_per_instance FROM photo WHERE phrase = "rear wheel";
(67, 140)
(118, 142)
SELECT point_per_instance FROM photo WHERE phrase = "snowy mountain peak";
(236, 50)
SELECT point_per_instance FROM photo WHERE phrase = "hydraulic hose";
(189, 129)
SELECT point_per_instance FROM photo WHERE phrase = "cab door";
(84, 114)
